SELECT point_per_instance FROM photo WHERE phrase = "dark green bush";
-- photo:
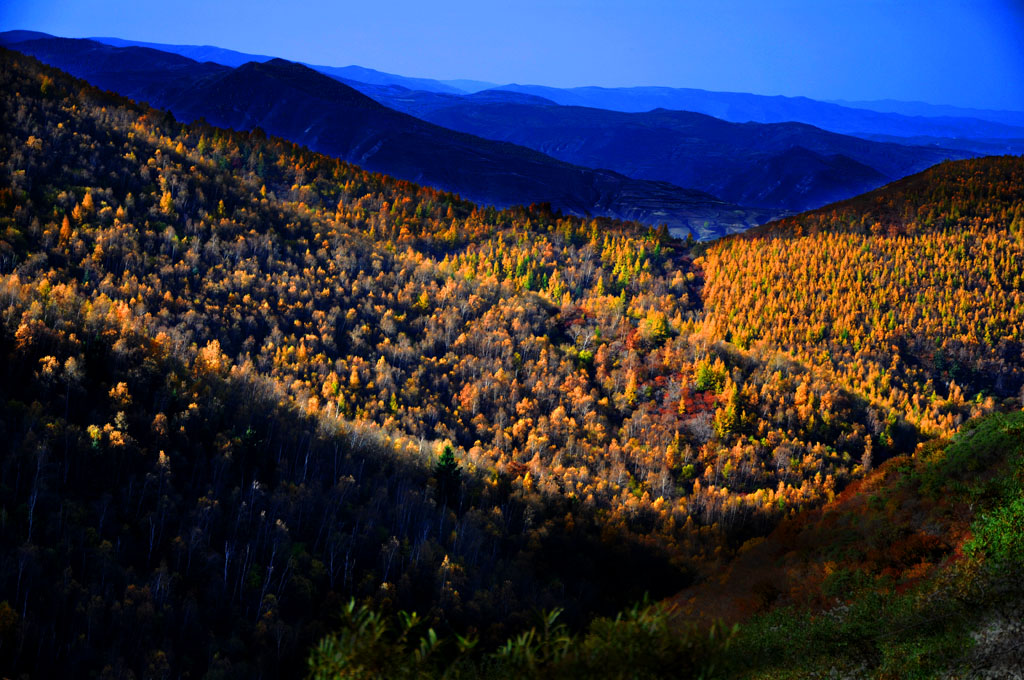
(646, 641)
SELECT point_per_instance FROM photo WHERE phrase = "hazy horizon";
(941, 53)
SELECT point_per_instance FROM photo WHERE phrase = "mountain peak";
(279, 62)
(15, 37)
(292, 75)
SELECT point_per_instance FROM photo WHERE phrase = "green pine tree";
(449, 476)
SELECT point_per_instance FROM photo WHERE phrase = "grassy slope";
(891, 578)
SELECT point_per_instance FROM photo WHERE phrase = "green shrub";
(998, 535)
(646, 641)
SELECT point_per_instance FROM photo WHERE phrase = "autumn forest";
(252, 393)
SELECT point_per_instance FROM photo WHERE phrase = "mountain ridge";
(857, 118)
(334, 118)
(739, 165)
(739, 161)
(742, 107)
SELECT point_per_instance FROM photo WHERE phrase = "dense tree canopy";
(244, 382)
(910, 296)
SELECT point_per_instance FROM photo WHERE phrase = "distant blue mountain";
(234, 59)
(295, 102)
(470, 86)
(770, 153)
(782, 166)
(742, 108)
(975, 130)
(217, 55)
(360, 74)
(11, 37)
(1015, 118)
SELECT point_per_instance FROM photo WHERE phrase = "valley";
(305, 376)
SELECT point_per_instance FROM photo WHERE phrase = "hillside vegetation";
(912, 573)
(244, 383)
(910, 296)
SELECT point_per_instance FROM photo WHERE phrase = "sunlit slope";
(910, 296)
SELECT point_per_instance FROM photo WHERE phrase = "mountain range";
(657, 155)
(783, 166)
(979, 130)
(741, 107)
(295, 102)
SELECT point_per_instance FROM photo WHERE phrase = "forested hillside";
(910, 295)
(244, 382)
(912, 572)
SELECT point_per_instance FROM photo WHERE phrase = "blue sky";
(966, 53)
